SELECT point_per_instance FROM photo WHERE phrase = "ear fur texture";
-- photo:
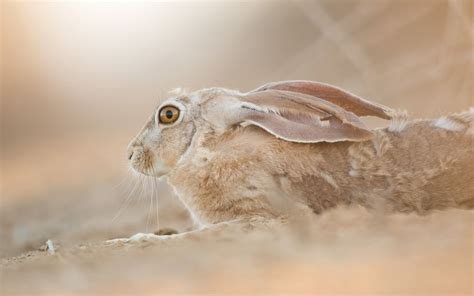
(333, 94)
(300, 118)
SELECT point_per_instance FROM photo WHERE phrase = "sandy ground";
(344, 251)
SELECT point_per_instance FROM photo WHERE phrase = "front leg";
(220, 230)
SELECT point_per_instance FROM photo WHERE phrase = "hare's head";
(294, 111)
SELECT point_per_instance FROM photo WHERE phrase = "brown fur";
(414, 170)
(228, 173)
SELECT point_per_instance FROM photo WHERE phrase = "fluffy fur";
(224, 167)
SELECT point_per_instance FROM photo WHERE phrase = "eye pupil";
(169, 114)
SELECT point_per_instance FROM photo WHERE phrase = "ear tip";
(390, 112)
(381, 111)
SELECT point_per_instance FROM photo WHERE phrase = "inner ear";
(299, 118)
(305, 129)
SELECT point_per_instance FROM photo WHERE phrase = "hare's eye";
(168, 114)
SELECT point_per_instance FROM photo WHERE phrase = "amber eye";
(168, 114)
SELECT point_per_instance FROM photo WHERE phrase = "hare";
(234, 158)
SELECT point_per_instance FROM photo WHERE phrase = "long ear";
(291, 116)
(335, 95)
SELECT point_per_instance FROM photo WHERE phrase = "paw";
(166, 231)
(138, 238)
(144, 237)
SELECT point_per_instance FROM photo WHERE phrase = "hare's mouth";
(142, 162)
(145, 163)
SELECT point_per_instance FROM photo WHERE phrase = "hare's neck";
(187, 200)
(185, 187)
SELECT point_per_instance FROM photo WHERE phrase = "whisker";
(125, 203)
(141, 190)
(121, 182)
(124, 183)
(150, 209)
(142, 187)
(156, 205)
(155, 197)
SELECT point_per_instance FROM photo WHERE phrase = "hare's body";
(300, 145)
(252, 173)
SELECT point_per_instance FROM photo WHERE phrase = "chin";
(160, 174)
(158, 171)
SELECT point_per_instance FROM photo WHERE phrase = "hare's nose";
(132, 148)
(130, 151)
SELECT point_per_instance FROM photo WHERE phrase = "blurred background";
(78, 80)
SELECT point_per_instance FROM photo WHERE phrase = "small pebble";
(50, 247)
